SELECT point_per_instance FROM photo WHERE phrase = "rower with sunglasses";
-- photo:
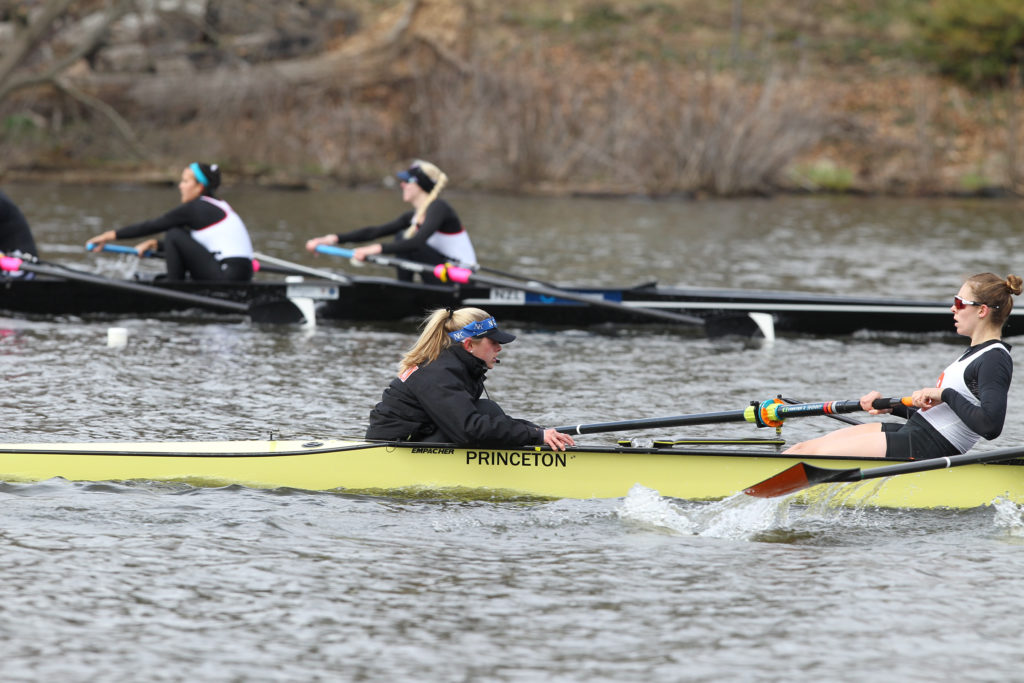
(437, 394)
(431, 233)
(967, 403)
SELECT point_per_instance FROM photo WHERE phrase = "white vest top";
(942, 416)
(227, 238)
(457, 247)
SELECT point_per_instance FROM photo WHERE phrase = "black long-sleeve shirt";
(194, 215)
(443, 394)
(439, 217)
(15, 234)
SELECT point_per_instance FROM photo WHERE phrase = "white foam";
(646, 507)
(1009, 517)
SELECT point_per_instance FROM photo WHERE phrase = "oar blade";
(733, 325)
(276, 312)
(797, 478)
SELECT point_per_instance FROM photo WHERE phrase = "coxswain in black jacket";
(441, 402)
(15, 235)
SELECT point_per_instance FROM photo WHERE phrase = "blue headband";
(198, 173)
(474, 329)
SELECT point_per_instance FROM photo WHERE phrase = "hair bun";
(1013, 283)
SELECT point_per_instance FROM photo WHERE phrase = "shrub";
(976, 42)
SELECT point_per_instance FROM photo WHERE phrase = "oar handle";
(445, 272)
(335, 251)
(118, 249)
(121, 249)
(10, 264)
(889, 403)
(838, 407)
(772, 413)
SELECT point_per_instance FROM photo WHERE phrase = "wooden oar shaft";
(446, 272)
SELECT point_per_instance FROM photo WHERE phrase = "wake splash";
(1009, 517)
(738, 517)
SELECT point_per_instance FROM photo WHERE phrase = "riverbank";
(535, 98)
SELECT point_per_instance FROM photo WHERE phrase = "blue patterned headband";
(474, 329)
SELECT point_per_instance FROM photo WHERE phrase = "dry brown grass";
(577, 96)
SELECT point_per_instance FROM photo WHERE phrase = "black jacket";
(441, 402)
(15, 234)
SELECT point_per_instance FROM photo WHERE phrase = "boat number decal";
(514, 296)
(515, 458)
(311, 291)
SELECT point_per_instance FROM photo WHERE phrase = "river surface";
(139, 581)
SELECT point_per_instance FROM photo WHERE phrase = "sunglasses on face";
(961, 304)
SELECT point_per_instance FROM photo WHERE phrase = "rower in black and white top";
(968, 402)
(204, 237)
(431, 233)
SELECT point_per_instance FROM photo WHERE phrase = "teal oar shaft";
(457, 274)
(120, 249)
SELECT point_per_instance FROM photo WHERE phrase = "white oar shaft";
(305, 270)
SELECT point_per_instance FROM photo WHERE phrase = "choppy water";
(141, 581)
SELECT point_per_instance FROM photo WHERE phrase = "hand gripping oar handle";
(772, 413)
(446, 272)
(769, 413)
(121, 249)
(118, 249)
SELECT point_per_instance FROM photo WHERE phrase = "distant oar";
(764, 414)
(303, 270)
(503, 273)
(449, 273)
(278, 311)
(719, 324)
(801, 475)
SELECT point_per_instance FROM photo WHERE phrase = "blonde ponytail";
(440, 179)
(434, 338)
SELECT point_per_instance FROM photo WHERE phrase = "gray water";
(150, 582)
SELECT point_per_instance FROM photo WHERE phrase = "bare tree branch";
(106, 110)
(9, 83)
(28, 40)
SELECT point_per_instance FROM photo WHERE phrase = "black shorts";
(915, 439)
